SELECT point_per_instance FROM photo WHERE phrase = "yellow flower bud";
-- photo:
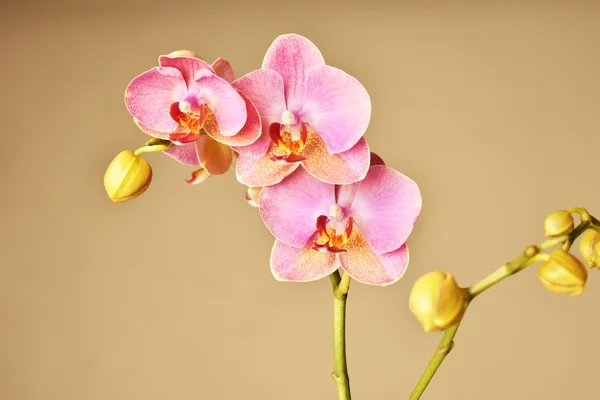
(589, 247)
(563, 273)
(559, 223)
(127, 176)
(437, 301)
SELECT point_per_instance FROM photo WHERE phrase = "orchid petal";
(187, 63)
(343, 168)
(249, 133)
(264, 88)
(292, 56)
(223, 69)
(214, 157)
(386, 207)
(261, 171)
(363, 265)
(225, 104)
(376, 159)
(344, 194)
(149, 96)
(184, 154)
(300, 264)
(291, 208)
(336, 106)
(157, 134)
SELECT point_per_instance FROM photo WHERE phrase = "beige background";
(492, 107)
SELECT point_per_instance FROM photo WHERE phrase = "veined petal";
(261, 171)
(223, 69)
(186, 62)
(292, 56)
(343, 168)
(300, 264)
(225, 103)
(386, 207)
(336, 106)
(291, 208)
(249, 133)
(184, 154)
(214, 157)
(374, 269)
(149, 96)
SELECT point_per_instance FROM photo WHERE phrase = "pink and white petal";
(198, 176)
(214, 157)
(184, 154)
(157, 134)
(336, 106)
(300, 264)
(261, 171)
(223, 69)
(292, 56)
(376, 159)
(260, 147)
(365, 266)
(291, 208)
(149, 96)
(339, 169)
(249, 134)
(344, 194)
(187, 62)
(224, 102)
(386, 208)
(265, 89)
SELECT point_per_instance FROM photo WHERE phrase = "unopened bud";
(127, 176)
(559, 223)
(589, 247)
(563, 273)
(437, 301)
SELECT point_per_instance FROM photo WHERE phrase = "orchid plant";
(297, 127)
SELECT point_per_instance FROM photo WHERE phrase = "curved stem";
(446, 344)
(340, 369)
(530, 256)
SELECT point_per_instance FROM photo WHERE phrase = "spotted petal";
(300, 264)
(225, 103)
(337, 107)
(291, 208)
(149, 96)
(184, 154)
(386, 207)
(292, 56)
(367, 267)
(261, 171)
(343, 168)
(249, 133)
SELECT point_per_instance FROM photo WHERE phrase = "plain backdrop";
(491, 106)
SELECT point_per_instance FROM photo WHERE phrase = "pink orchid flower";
(362, 227)
(313, 115)
(192, 104)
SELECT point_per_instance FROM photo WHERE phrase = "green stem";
(340, 369)
(530, 256)
(446, 344)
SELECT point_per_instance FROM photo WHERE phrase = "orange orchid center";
(289, 138)
(333, 231)
(189, 117)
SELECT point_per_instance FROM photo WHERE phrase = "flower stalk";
(530, 256)
(340, 285)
